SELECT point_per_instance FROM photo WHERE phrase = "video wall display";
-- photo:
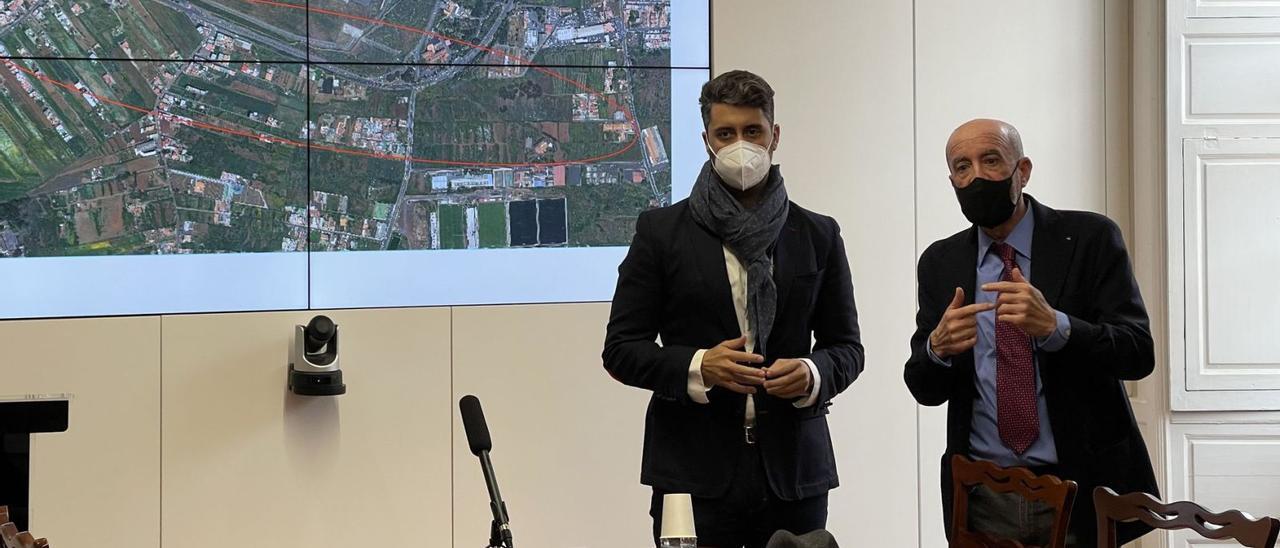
(171, 156)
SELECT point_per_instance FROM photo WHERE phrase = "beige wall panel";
(97, 485)
(566, 436)
(245, 458)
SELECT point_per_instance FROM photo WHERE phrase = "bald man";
(1029, 321)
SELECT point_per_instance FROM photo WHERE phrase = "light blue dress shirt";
(984, 438)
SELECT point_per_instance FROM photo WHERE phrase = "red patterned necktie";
(1016, 413)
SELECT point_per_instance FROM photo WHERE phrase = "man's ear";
(1025, 169)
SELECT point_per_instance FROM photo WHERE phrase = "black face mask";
(985, 202)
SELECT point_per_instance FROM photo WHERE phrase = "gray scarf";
(749, 234)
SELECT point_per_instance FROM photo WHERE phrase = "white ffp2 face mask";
(742, 164)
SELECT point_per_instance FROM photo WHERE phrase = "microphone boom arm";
(499, 531)
(480, 444)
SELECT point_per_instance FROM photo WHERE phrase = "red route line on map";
(355, 152)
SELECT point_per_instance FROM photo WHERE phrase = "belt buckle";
(749, 434)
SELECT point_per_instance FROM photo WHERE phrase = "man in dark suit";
(1029, 322)
(737, 281)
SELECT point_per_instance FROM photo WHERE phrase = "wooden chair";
(1049, 490)
(1229, 525)
(11, 538)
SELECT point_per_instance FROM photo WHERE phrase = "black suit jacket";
(673, 284)
(1081, 266)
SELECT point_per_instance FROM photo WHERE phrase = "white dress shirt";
(738, 288)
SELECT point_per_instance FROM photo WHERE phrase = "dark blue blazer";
(1082, 268)
(673, 285)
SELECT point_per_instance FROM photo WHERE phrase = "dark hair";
(738, 88)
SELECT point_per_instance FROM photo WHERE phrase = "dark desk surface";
(19, 418)
(28, 416)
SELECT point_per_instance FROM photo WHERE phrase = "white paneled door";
(1223, 109)
(1222, 228)
(1232, 8)
(1231, 254)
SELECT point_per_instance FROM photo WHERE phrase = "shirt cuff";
(928, 346)
(817, 385)
(697, 387)
(1058, 339)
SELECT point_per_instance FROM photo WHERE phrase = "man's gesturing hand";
(1022, 305)
(722, 366)
(788, 379)
(958, 330)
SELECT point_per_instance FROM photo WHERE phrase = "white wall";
(867, 92)
(1049, 83)
(843, 78)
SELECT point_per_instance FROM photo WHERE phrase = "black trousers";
(749, 513)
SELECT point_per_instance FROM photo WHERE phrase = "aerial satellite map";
(139, 127)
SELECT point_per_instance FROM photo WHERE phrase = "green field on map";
(214, 126)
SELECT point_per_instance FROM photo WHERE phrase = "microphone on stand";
(478, 438)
